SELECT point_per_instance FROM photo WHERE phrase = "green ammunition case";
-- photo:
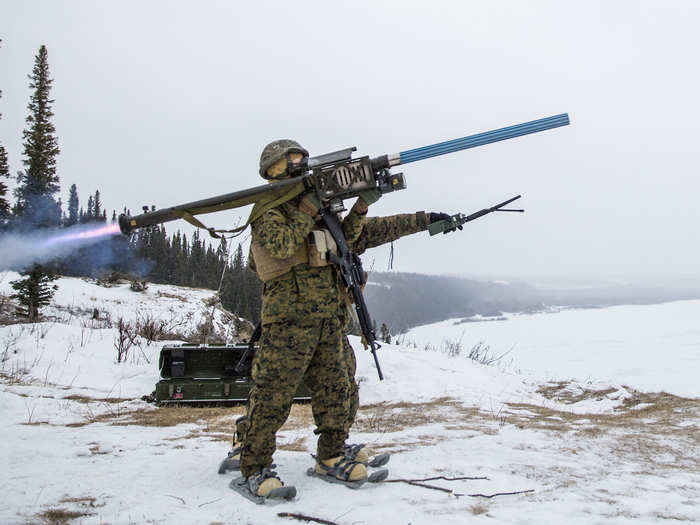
(206, 374)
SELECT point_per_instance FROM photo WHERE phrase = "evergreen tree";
(36, 186)
(97, 206)
(4, 175)
(33, 292)
(38, 182)
(88, 216)
(73, 206)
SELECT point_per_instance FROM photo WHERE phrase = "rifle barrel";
(480, 139)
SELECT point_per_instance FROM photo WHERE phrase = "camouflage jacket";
(381, 230)
(304, 292)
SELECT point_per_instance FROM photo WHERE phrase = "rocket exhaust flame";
(111, 229)
(21, 250)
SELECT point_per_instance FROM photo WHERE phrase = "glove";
(439, 216)
(310, 205)
(370, 196)
(367, 197)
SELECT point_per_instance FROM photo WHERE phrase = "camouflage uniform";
(303, 316)
(375, 232)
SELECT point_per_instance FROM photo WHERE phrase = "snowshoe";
(263, 486)
(345, 471)
(357, 453)
(232, 461)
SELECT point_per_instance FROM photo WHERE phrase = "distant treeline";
(405, 300)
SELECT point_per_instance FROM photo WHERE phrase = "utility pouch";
(320, 243)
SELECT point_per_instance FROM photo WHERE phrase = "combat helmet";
(277, 150)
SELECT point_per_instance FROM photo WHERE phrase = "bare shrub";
(9, 343)
(125, 340)
(481, 353)
(452, 348)
(152, 329)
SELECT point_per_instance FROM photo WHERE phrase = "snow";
(602, 449)
(649, 347)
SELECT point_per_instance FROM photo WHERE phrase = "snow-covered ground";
(650, 347)
(80, 445)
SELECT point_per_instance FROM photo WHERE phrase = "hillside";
(426, 299)
(82, 447)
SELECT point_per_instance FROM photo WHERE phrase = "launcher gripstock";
(337, 176)
(457, 220)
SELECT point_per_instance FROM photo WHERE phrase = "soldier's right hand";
(310, 205)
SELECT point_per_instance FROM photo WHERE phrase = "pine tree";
(97, 206)
(73, 206)
(38, 182)
(4, 175)
(33, 292)
(37, 185)
(88, 216)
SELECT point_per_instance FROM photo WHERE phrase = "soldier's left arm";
(381, 230)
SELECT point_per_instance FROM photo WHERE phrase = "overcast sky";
(165, 102)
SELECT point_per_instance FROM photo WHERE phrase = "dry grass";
(394, 417)
(638, 429)
(651, 429)
(660, 413)
(87, 399)
(560, 392)
(60, 516)
(82, 507)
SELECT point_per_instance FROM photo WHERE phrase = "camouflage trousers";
(311, 350)
(353, 397)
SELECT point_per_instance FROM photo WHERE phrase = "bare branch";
(496, 494)
(178, 498)
(301, 517)
(209, 502)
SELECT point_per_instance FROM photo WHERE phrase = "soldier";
(349, 466)
(303, 316)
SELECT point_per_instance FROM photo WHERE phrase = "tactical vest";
(313, 251)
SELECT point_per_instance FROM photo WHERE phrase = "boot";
(266, 484)
(358, 453)
(342, 469)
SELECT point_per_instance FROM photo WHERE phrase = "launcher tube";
(480, 139)
(221, 202)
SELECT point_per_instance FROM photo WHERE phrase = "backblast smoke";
(20, 250)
